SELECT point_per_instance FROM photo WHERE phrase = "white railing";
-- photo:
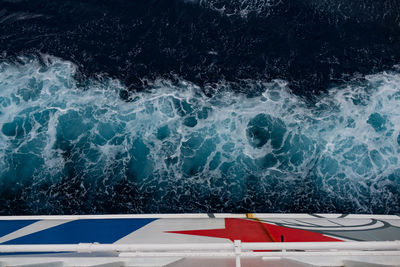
(237, 249)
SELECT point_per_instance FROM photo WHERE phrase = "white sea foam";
(241, 7)
(172, 140)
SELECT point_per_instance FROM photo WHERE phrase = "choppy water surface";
(309, 43)
(199, 106)
(69, 146)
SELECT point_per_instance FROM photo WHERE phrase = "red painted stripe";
(256, 231)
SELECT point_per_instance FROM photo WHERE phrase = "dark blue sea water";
(199, 106)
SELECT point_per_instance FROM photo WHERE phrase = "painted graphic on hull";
(169, 229)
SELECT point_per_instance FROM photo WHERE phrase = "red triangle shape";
(256, 231)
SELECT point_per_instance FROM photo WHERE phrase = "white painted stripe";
(324, 215)
(373, 216)
(394, 222)
(323, 224)
(198, 215)
(283, 215)
(155, 232)
(115, 216)
(328, 215)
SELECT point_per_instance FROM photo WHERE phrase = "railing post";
(238, 251)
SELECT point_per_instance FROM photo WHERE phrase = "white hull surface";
(200, 240)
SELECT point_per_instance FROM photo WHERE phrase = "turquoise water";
(69, 146)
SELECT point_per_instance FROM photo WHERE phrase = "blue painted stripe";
(7, 226)
(104, 231)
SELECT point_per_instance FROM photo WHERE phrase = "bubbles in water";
(241, 7)
(67, 148)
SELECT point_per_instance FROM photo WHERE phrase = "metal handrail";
(236, 249)
(96, 247)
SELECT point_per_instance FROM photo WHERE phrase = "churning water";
(69, 146)
(199, 106)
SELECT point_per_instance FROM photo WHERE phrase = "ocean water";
(78, 147)
(242, 8)
(199, 106)
(309, 43)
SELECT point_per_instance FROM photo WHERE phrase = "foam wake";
(77, 147)
(240, 7)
